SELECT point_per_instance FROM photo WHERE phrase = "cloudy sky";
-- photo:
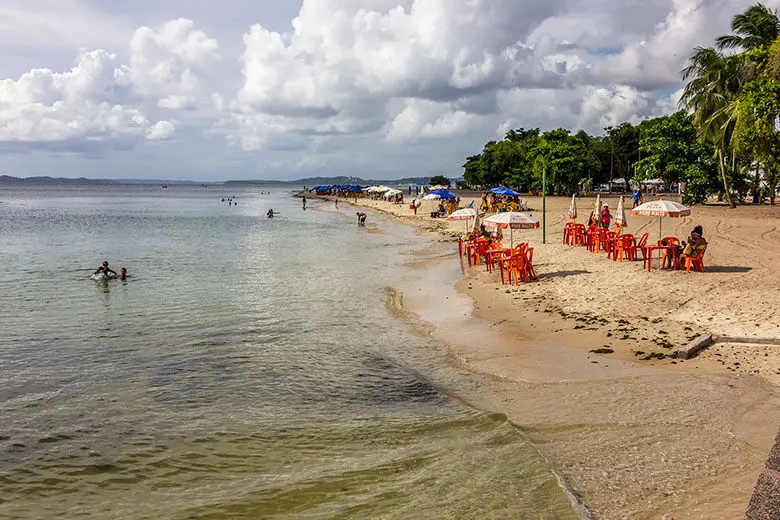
(237, 89)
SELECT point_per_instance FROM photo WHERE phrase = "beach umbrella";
(597, 209)
(661, 208)
(620, 218)
(511, 220)
(465, 215)
(573, 207)
(444, 194)
(502, 190)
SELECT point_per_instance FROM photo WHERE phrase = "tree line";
(724, 141)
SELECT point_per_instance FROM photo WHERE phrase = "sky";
(380, 89)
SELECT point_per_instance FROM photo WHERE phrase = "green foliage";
(440, 180)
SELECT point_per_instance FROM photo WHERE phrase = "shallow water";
(249, 367)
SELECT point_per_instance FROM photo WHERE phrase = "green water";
(248, 368)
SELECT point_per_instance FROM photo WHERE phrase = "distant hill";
(309, 182)
(83, 180)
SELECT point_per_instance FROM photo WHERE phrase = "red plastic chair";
(669, 241)
(578, 235)
(529, 265)
(641, 246)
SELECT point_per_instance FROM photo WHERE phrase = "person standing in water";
(337, 203)
(105, 269)
(123, 274)
(304, 203)
(270, 213)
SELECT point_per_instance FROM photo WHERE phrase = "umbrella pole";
(660, 224)
(511, 243)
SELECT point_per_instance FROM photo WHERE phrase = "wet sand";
(636, 433)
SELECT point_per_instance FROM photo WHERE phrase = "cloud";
(161, 131)
(414, 84)
(406, 71)
(102, 102)
(166, 63)
(346, 62)
(83, 103)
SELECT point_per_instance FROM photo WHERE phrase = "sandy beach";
(634, 431)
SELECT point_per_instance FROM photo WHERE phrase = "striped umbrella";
(620, 218)
(511, 220)
(661, 208)
(573, 207)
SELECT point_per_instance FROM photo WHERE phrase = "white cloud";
(161, 131)
(102, 103)
(427, 119)
(83, 103)
(165, 63)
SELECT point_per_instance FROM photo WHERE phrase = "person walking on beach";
(337, 203)
(637, 196)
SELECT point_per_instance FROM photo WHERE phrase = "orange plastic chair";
(516, 269)
(669, 241)
(624, 246)
(696, 261)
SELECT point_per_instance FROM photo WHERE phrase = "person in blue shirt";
(637, 196)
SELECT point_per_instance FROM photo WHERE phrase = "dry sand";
(636, 433)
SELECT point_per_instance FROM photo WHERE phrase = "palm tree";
(713, 84)
(757, 26)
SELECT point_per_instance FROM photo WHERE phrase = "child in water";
(123, 274)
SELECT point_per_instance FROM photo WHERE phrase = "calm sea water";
(249, 368)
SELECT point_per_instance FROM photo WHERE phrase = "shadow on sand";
(726, 269)
(560, 274)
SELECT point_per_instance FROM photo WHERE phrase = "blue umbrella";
(501, 190)
(445, 194)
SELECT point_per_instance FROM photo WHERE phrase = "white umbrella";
(661, 208)
(573, 207)
(512, 220)
(391, 193)
(597, 210)
(464, 214)
(620, 218)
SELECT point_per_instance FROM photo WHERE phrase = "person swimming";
(123, 274)
(105, 269)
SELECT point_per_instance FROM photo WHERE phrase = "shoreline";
(700, 437)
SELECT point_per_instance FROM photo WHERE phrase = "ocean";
(248, 367)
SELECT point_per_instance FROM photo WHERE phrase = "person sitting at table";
(693, 248)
